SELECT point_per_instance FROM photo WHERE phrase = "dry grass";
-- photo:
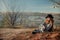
(26, 34)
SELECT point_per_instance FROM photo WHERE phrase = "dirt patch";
(26, 34)
(39, 36)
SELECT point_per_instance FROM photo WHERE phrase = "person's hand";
(51, 23)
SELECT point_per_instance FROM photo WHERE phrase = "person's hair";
(50, 16)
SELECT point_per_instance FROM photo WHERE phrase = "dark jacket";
(48, 28)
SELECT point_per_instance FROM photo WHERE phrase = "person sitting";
(47, 26)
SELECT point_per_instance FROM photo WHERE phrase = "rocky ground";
(26, 34)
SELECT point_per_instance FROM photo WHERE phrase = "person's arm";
(52, 23)
(50, 26)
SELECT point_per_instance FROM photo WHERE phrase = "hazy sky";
(28, 6)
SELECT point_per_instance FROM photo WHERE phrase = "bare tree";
(10, 19)
(12, 14)
(56, 3)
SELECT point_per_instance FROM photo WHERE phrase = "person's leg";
(36, 31)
